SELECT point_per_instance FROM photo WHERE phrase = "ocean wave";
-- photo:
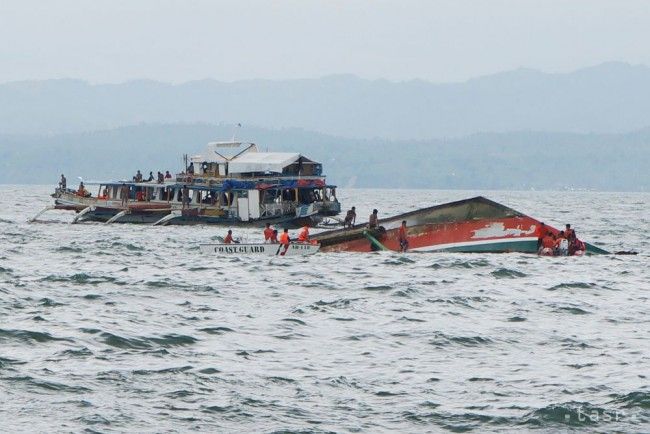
(29, 336)
(573, 285)
(52, 386)
(144, 343)
(506, 273)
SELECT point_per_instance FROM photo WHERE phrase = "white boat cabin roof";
(262, 162)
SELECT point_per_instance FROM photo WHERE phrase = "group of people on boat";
(564, 243)
(160, 178)
(351, 218)
(271, 236)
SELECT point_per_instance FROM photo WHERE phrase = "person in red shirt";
(268, 233)
(568, 232)
(274, 237)
(228, 239)
(403, 239)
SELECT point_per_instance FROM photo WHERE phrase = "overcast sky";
(178, 41)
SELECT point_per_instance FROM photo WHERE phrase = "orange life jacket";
(284, 238)
(304, 235)
(268, 234)
(548, 241)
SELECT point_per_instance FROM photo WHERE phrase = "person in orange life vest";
(228, 239)
(403, 239)
(541, 233)
(373, 220)
(548, 241)
(81, 191)
(274, 237)
(284, 238)
(268, 233)
(303, 237)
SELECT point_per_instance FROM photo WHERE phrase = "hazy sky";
(113, 41)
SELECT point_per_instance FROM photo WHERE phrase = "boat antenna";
(234, 133)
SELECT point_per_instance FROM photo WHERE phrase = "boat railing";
(276, 209)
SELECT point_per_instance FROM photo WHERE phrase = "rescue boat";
(265, 249)
(471, 225)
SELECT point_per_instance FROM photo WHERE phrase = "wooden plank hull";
(472, 225)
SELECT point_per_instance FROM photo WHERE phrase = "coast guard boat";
(231, 183)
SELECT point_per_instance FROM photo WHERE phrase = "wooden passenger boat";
(231, 183)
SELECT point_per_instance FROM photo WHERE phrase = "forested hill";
(608, 98)
(524, 160)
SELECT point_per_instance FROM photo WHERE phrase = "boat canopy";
(252, 162)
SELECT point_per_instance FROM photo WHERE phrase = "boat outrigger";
(471, 225)
(247, 188)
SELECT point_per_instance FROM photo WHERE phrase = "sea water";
(129, 328)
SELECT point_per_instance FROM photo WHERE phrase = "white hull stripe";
(473, 243)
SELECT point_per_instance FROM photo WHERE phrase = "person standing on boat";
(403, 238)
(186, 197)
(228, 239)
(373, 220)
(125, 194)
(63, 183)
(350, 218)
(541, 233)
(268, 233)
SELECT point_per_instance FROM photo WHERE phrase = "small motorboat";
(247, 249)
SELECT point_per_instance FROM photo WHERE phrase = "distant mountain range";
(523, 160)
(609, 98)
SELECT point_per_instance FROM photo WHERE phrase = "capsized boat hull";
(250, 249)
(471, 225)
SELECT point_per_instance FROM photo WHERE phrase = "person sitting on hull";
(81, 191)
(576, 247)
(548, 244)
(373, 220)
(350, 218)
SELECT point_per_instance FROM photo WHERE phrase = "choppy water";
(112, 328)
